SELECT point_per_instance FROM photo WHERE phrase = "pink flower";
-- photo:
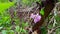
(36, 17)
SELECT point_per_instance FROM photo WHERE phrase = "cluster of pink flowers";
(36, 17)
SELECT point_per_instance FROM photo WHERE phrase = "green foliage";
(57, 18)
(44, 30)
(4, 6)
(24, 31)
(10, 32)
(42, 11)
(29, 2)
(59, 0)
(1, 27)
(4, 1)
(4, 32)
(17, 28)
(7, 32)
(58, 31)
(20, 26)
(39, 1)
(17, 21)
(25, 1)
(20, 30)
(5, 17)
(50, 26)
(24, 24)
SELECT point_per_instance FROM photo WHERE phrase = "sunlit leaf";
(10, 31)
(1, 27)
(4, 32)
(42, 11)
(24, 30)
(4, 6)
(20, 29)
(17, 28)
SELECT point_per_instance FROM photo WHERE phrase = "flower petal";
(35, 20)
(32, 16)
(38, 17)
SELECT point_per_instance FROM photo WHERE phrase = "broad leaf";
(4, 6)
(4, 32)
(42, 11)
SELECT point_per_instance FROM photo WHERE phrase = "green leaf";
(1, 27)
(57, 18)
(23, 24)
(42, 11)
(25, 2)
(24, 30)
(43, 30)
(4, 32)
(4, 6)
(17, 28)
(58, 31)
(10, 32)
(4, 1)
(17, 20)
(26, 24)
(21, 29)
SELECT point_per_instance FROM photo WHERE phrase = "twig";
(53, 29)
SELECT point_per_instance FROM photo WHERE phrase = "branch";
(52, 30)
(26, 9)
